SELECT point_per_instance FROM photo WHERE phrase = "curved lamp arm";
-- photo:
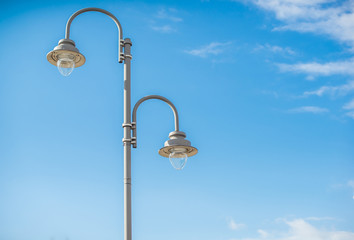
(147, 98)
(120, 30)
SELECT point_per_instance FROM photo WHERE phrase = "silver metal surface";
(92, 9)
(176, 138)
(66, 46)
(177, 141)
(127, 145)
(190, 151)
(135, 109)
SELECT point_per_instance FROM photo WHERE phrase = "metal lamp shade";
(177, 141)
(66, 46)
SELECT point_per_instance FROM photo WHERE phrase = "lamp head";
(178, 149)
(66, 57)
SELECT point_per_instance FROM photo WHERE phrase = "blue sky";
(264, 89)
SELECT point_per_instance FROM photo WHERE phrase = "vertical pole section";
(127, 143)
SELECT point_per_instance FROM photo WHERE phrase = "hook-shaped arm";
(92, 9)
(153, 97)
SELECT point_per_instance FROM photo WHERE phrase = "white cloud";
(214, 48)
(270, 93)
(163, 29)
(349, 105)
(263, 233)
(329, 17)
(168, 14)
(165, 20)
(351, 182)
(299, 229)
(319, 218)
(345, 67)
(351, 115)
(275, 49)
(292, 10)
(308, 109)
(235, 226)
(332, 90)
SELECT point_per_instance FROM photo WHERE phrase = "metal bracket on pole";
(133, 128)
(121, 54)
(127, 140)
(124, 56)
(133, 142)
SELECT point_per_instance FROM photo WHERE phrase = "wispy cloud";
(309, 109)
(166, 20)
(332, 18)
(351, 182)
(350, 106)
(275, 49)
(345, 67)
(169, 14)
(270, 93)
(340, 90)
(163, 29)
(235, 226)
(345, 186)
(351, 115)
(262, 233)
(300, 229)
(320, 218)
(332, 90)
(214, 48)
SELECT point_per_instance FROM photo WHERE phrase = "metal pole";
(128, 125)
(127, 142)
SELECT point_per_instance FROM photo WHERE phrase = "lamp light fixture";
(66, 57)
(178, 149)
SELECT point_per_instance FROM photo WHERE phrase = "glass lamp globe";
(178, 149)
(66, 57)
(178, 158)
(66, 63)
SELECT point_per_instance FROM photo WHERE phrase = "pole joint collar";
(126, 41)
(124, 125)
(121, 42)
(127, 141)
(127, 180)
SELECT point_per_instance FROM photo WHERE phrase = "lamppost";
(67, 57)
